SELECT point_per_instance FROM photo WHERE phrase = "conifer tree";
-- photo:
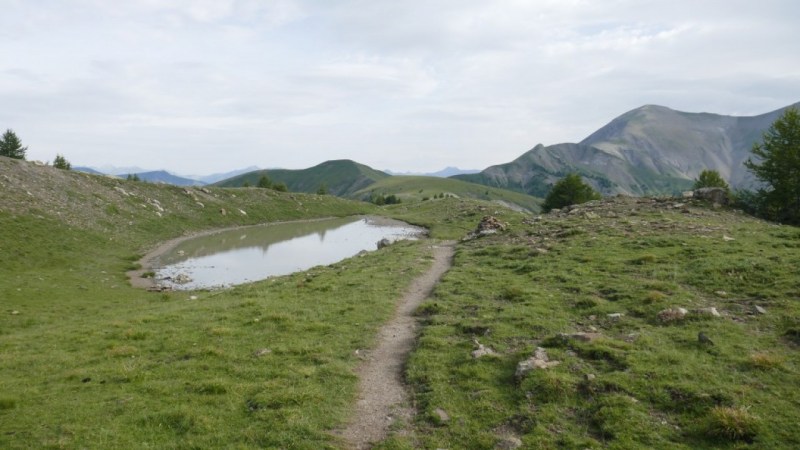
(11, 146)
(778, 168)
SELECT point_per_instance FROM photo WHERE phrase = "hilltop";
(340, 177)
(647, 151)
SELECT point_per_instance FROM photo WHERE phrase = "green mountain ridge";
(339, 177)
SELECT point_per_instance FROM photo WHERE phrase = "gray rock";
(712, 194)
(509, 443)
(672, 314)
(482, 351)
(711, 311)
(441, 415)
(384, 243)
(759, 309)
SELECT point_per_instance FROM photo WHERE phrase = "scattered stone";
(242, 212)
(687, 194)
(223, 212)
(727, 238)
(615, 316)
(589, 377)
(384, 243)
(709, 311)
(205, 190)
(759, 309)
(590, 215)
(482, 351)
(192, 297)
(182, 278)
(539, 360)
(159, 288)
(441, 415)
(489, 225)
(672, 314)
(509, 443)
(262, 352)
(14, 313)
(721, 293)
(581, 336)
(200, 204)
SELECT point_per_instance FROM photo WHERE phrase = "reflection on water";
(254, 253)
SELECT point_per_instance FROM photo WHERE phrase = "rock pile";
(488, 225)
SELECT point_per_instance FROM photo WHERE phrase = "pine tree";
(778, 168)
(710, 178)
(570, 190)
(61, 163)
(11, 146)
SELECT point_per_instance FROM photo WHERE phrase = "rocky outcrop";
(714, 195)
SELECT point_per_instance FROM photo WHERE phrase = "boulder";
(384, 243)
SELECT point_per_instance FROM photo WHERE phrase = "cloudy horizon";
(198, 87)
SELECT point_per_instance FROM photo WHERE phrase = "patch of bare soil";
(383, 398)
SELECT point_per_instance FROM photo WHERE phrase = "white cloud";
(402, 85)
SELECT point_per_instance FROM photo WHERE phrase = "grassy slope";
(89, 362)
(340, 177)
(645, 383)
(416, 188)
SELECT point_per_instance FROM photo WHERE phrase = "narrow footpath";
(383, 399)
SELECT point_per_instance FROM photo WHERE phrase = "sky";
(206, 86)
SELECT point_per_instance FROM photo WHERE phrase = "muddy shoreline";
(146, 262)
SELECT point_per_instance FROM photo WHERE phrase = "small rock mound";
(488, 225)
(539, 360)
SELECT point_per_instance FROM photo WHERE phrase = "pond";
(243, 255)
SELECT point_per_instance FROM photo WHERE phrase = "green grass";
(645, 383)
(89, 362)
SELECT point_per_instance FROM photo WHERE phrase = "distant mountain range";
(162, 176)
(649, 150)
(447, 172)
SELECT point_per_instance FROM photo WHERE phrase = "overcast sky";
(202, 86)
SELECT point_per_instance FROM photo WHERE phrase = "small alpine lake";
(242, 255)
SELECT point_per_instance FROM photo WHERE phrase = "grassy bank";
(638, 377)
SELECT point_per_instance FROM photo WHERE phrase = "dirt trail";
(382, 398)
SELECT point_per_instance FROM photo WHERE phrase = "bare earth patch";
(383, 399)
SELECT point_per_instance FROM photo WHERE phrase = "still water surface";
(254, 253)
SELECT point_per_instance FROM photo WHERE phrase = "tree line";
(11, 147)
